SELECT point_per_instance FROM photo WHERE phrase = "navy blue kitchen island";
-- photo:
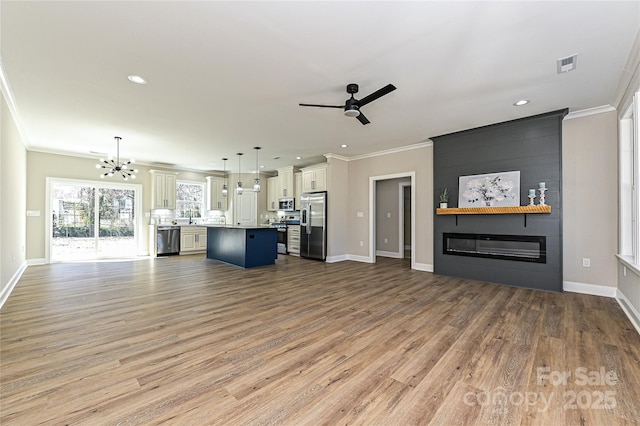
(242, 246)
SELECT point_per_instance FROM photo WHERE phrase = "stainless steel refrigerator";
(313, 225)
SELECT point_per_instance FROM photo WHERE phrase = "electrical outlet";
(361, 243)
(586, 262)
(388, 215)
(386, 240)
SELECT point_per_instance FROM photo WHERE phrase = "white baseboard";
(6, 291)
(592, 289)
(629, 309)
(426, 267)
(356, 258)
(339, 258)
(392, 254)
(343, 257)
(32, 262)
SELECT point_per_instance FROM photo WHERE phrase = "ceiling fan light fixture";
(351, 112)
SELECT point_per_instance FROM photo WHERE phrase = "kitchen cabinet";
(243, 246)
(314, 178)
(293, 239)
(285, 182)
(297, 186)
(216, 200)
(272, 194)
(193, 239)
(163, 189)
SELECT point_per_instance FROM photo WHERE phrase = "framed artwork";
(489, 190)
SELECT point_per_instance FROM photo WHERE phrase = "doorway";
(406, 219)
(405, 210)
(90, 220)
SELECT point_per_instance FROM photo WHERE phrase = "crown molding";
(381, 153)
(589, 111)
(7, 93)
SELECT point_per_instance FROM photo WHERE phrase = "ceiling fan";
(352, 105)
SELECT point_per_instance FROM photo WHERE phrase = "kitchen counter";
(244, 246)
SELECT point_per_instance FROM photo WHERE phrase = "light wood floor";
(185, 340)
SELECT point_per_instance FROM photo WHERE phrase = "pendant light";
(256, 181)
(115, 167)
(239, 186)
(225, 191)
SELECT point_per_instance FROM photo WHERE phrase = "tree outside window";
(189, 199)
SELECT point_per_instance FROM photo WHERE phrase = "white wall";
(590, 199)
(337, 205)
(13, 189)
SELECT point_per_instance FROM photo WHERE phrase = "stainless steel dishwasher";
(168, 238)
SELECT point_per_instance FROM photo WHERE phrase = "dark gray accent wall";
(532, 145)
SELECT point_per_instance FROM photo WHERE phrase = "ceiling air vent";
(567, 64)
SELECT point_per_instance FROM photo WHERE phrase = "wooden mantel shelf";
(495, 210)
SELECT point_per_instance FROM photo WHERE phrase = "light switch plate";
(33, 212)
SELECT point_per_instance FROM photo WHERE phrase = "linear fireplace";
(521, 248)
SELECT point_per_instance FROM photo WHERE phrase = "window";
(189, 199)
(629, 161)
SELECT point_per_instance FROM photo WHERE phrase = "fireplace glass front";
(521, 248)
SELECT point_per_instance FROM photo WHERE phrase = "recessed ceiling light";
(137, 79)
(262, 166)
(298, 158)
(521, 102)
(344, 145)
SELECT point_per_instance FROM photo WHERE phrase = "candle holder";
(542, 191)
(531, 198)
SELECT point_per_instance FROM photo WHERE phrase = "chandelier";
(115, 167)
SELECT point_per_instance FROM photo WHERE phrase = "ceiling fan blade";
(323, 106)
(362, 118)
(377, 94)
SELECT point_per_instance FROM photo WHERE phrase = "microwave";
(287, 204)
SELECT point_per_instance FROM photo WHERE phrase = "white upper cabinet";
(163, 189)
(272, 194)
(216, 200)
(285, 182)
(314, 178)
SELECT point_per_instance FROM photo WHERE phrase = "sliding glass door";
(92, 221)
